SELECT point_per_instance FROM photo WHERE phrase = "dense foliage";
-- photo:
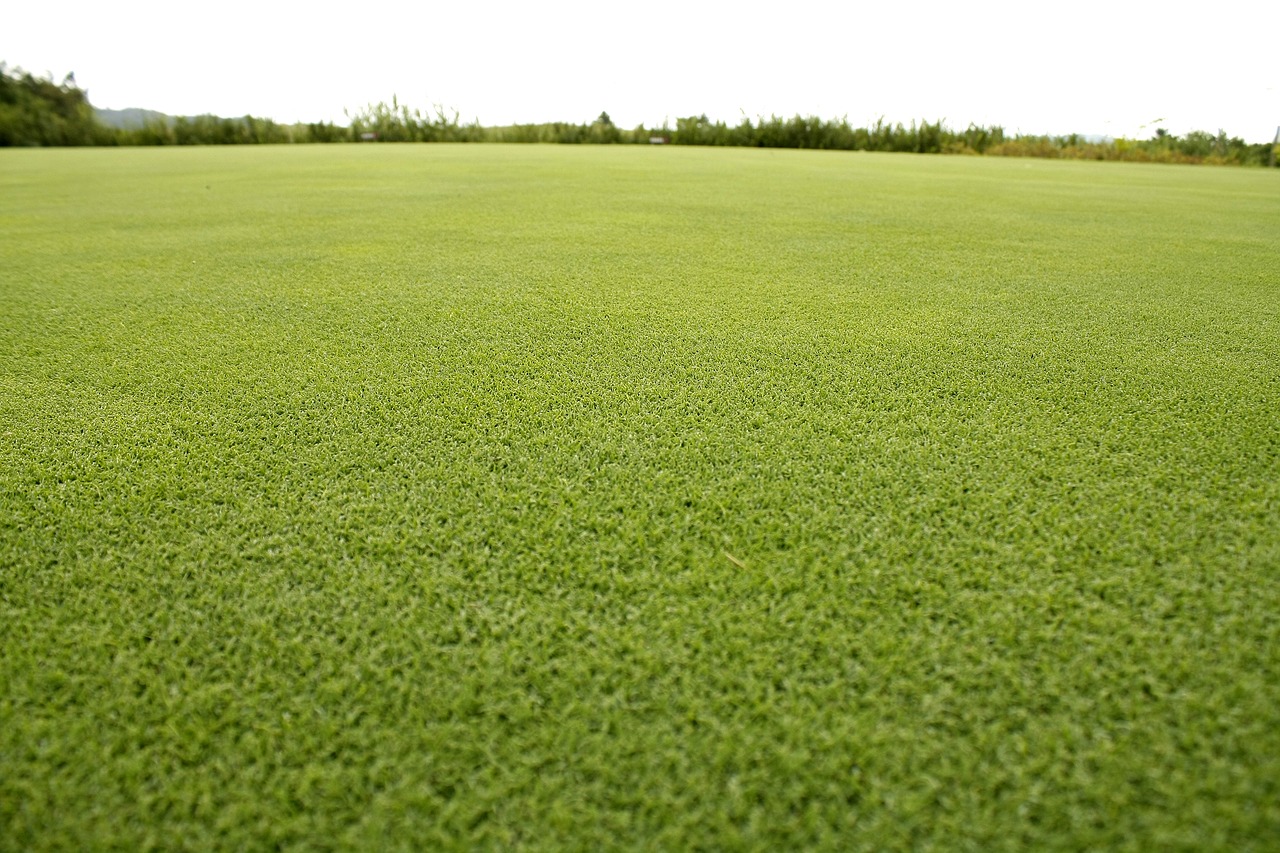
(36, 111)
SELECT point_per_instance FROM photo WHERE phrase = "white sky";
(1091, 67)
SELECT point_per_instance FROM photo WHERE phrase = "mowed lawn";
(434, 497)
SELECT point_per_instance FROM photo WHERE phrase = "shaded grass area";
(578, 498)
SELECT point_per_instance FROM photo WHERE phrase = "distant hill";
(130, 118)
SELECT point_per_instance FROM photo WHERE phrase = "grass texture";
(437, 497)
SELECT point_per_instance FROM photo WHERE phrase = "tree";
(37, 111)
(602, 130)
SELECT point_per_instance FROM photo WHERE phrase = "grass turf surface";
(575, 497)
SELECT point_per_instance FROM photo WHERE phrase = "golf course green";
(437, 497)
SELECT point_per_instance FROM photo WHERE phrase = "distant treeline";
(36, 111)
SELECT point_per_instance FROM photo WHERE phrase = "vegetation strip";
(39, 112)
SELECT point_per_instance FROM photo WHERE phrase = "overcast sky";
(1111, 68)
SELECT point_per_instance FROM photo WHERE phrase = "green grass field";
(436, 497)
